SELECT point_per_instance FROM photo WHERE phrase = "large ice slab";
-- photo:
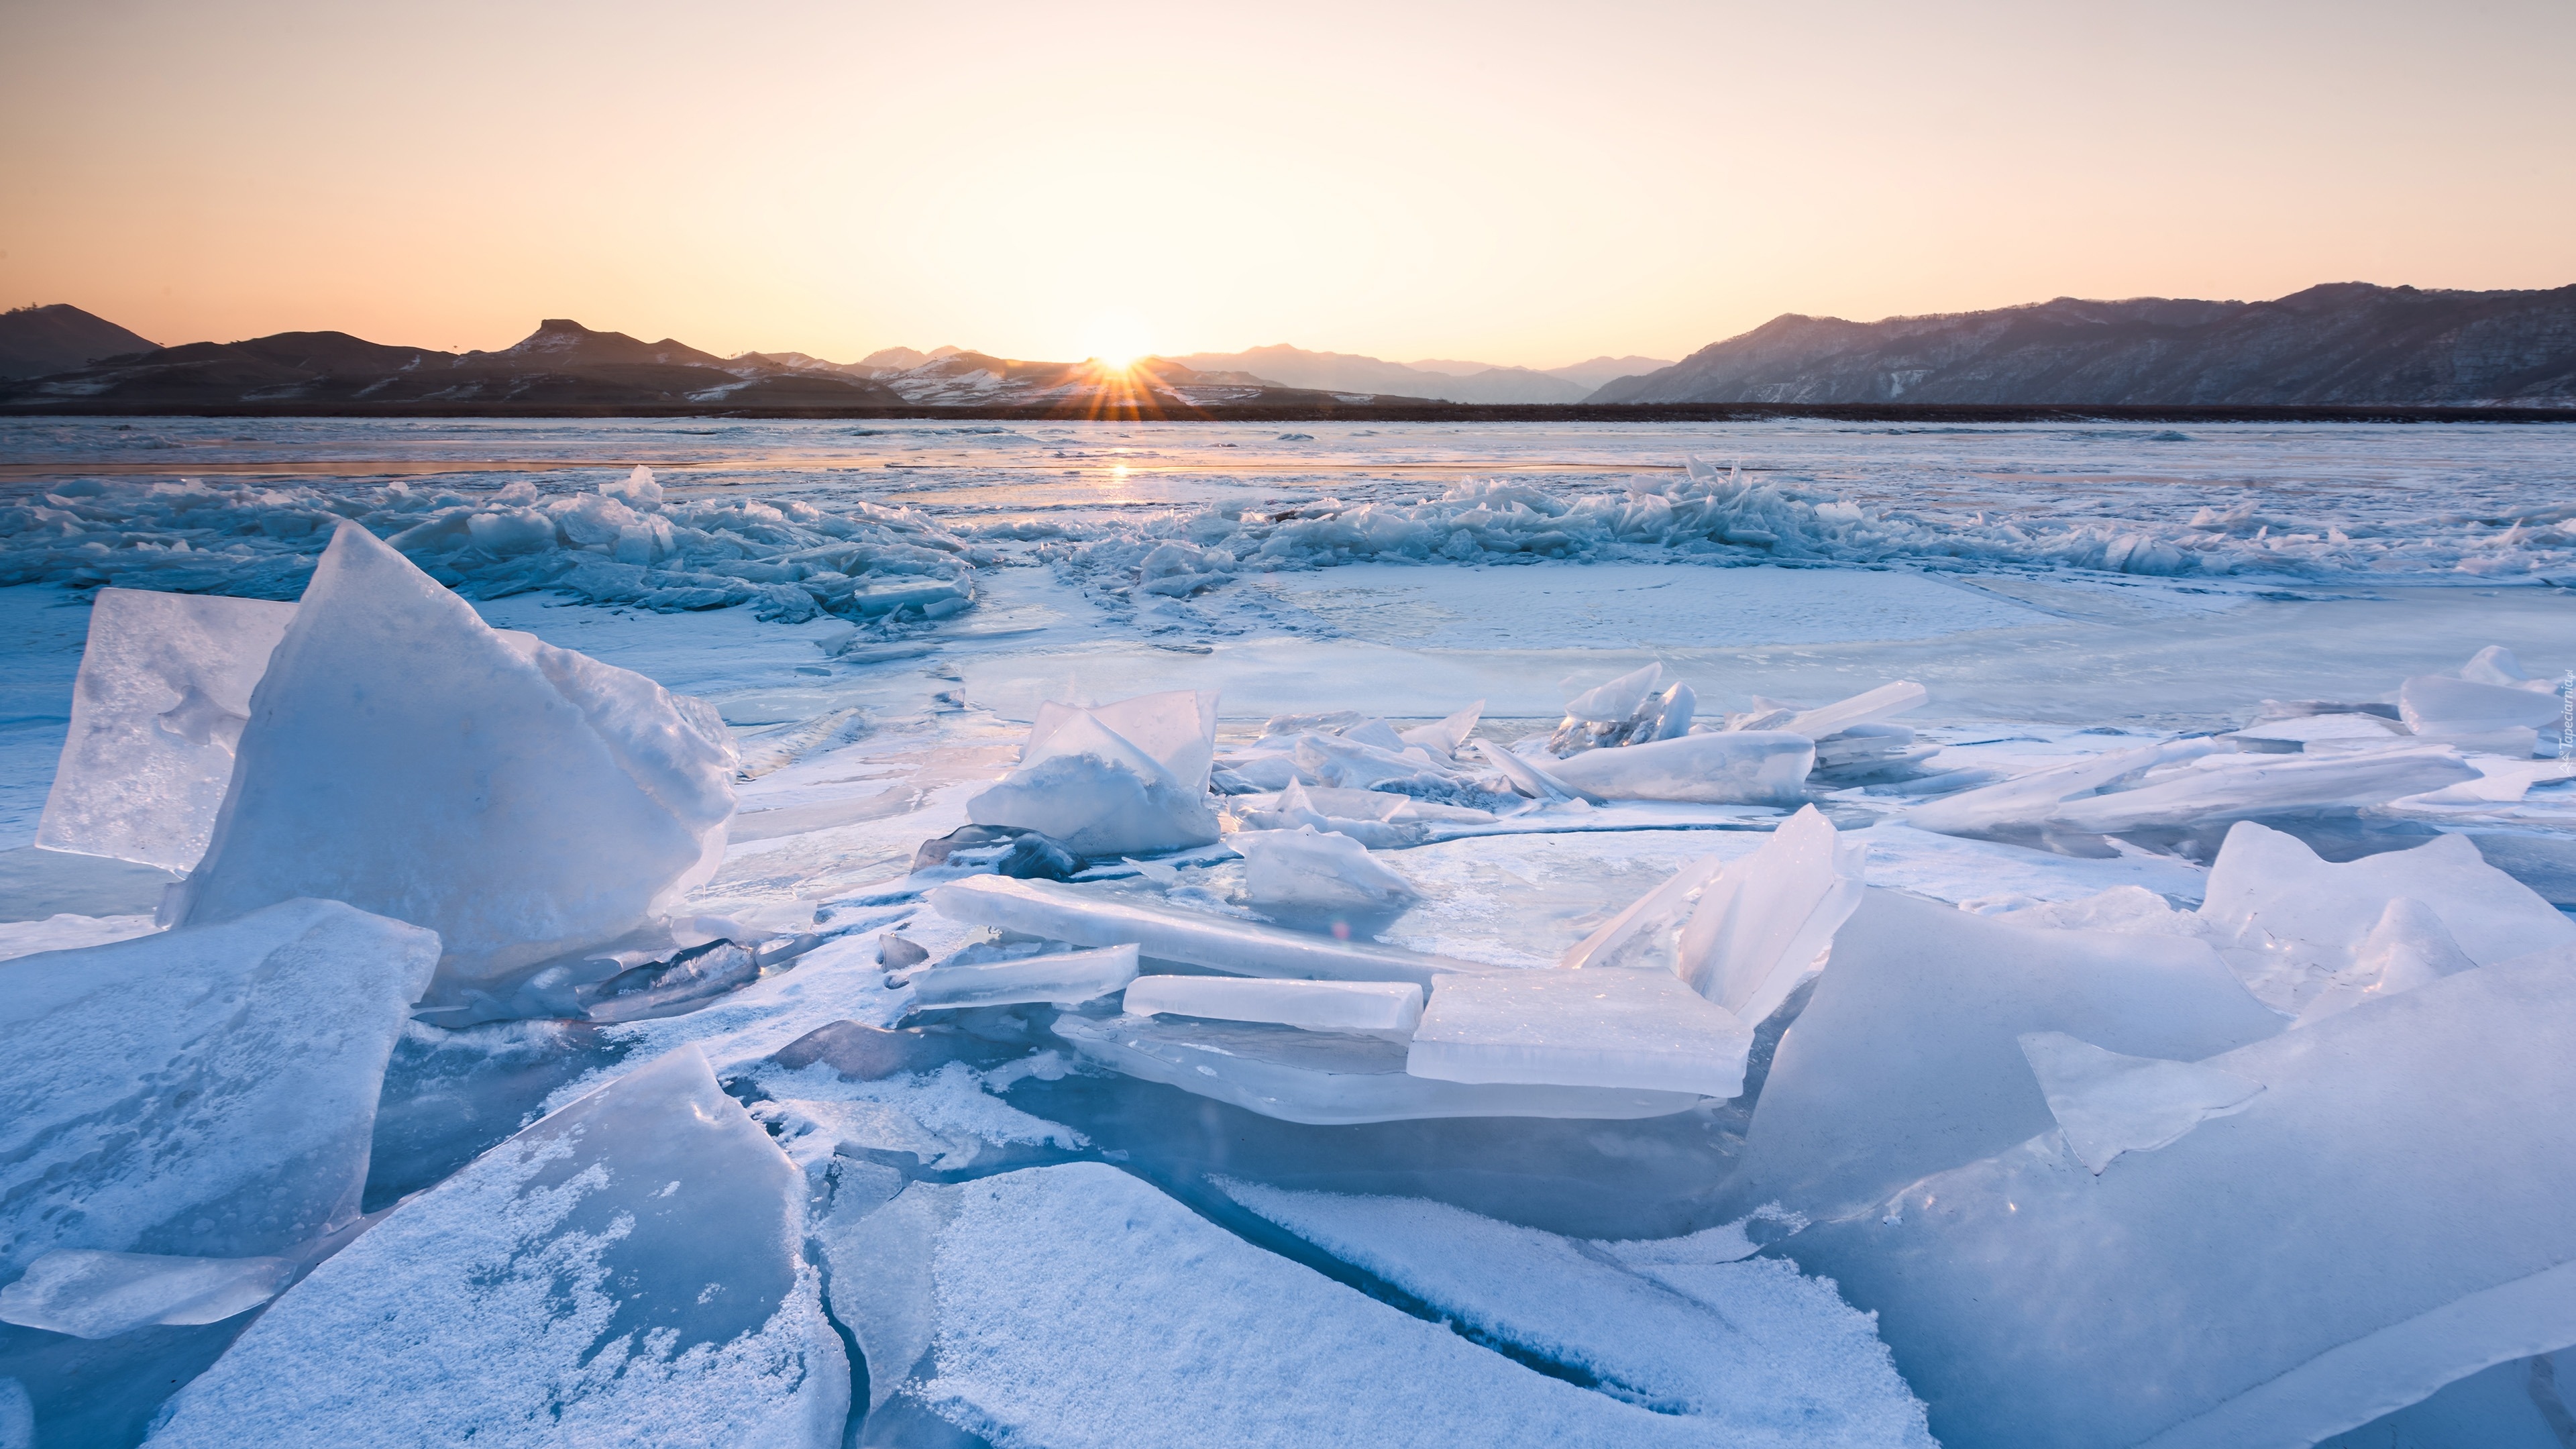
(1123, 779)
(1093, 917)
(1746, 767)
(1075, 1307)
(164, 690)
(1329, 1078)
(207, 1092)
(521, 800)
(1747, 1346)
(628, 1270)
(2107, 1103)
(2295, 926)
(1064, 979)
(2384, 1217)
(1907, 1059)
(1643, 1029)
(1387, 1006)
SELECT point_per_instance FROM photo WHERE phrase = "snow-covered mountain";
(1443, 379)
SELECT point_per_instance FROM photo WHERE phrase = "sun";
(1116, 341)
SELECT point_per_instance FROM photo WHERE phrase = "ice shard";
(2385, 1217)
(1302, 868)
(523, 801)
(1642, 1029)
(628, 1270)
(100, 1295)
(2107, 1103)
(1907, 1059)
(1378, 1006)
(1868, 707)
(2294, 926)
(164, 690)
(1087, 916)
(1330, 1078)
(1124, 779)
(207, 1092)
(1760, 930)
(1746, 767)
(1066, 979)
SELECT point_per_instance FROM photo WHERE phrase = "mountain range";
(2341, 344)
(2345, 343)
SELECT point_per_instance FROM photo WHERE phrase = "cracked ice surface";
(2288, 845)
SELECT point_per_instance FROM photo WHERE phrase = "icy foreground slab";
(1075, 1306)
(206, 1092)
(2022, 1294)
(521, 800)
(1327, 1078)
(1390, 1006)
(1760, 930)
(1066, 980)
(101, 1295)
(2296, 926)
(1091, 917)
(1124, 779)
(164, 690)
(1747, 1346)
(1580, 1029)
(626, 1271)
(1748, 767)
(1907, 1059)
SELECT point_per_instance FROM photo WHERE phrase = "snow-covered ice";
(628, 1270)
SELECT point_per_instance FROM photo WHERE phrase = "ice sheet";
(1380, 1006)
(1643, 1029)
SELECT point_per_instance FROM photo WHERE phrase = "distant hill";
(1445, 380)
(566, 366)
(57, 338)
(561, 364)
(2342, 343)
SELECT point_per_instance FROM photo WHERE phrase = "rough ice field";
(955, 1181)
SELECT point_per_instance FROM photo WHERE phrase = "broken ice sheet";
(2107, 1103)
(521, 800)
(1303, 868)
(205, 1092)
(948, 1119)
(2450, 1246)
(1075, 1306)
(1599, 1028)
(1747, 767)
(2292, 924)
(1329, 1078)
(100, 1295)
(627, 1270)
(164, 690)
(1384, 1006)
(1750, 1347)
(1907, 1059)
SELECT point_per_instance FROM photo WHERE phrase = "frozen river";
(880, 613)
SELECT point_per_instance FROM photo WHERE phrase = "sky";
(1523, 184)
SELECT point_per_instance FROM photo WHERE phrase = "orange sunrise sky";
(1509, 183)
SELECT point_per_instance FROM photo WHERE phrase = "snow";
(627, 1270)
(164, 690)
(204, 1092)
(523, 801)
